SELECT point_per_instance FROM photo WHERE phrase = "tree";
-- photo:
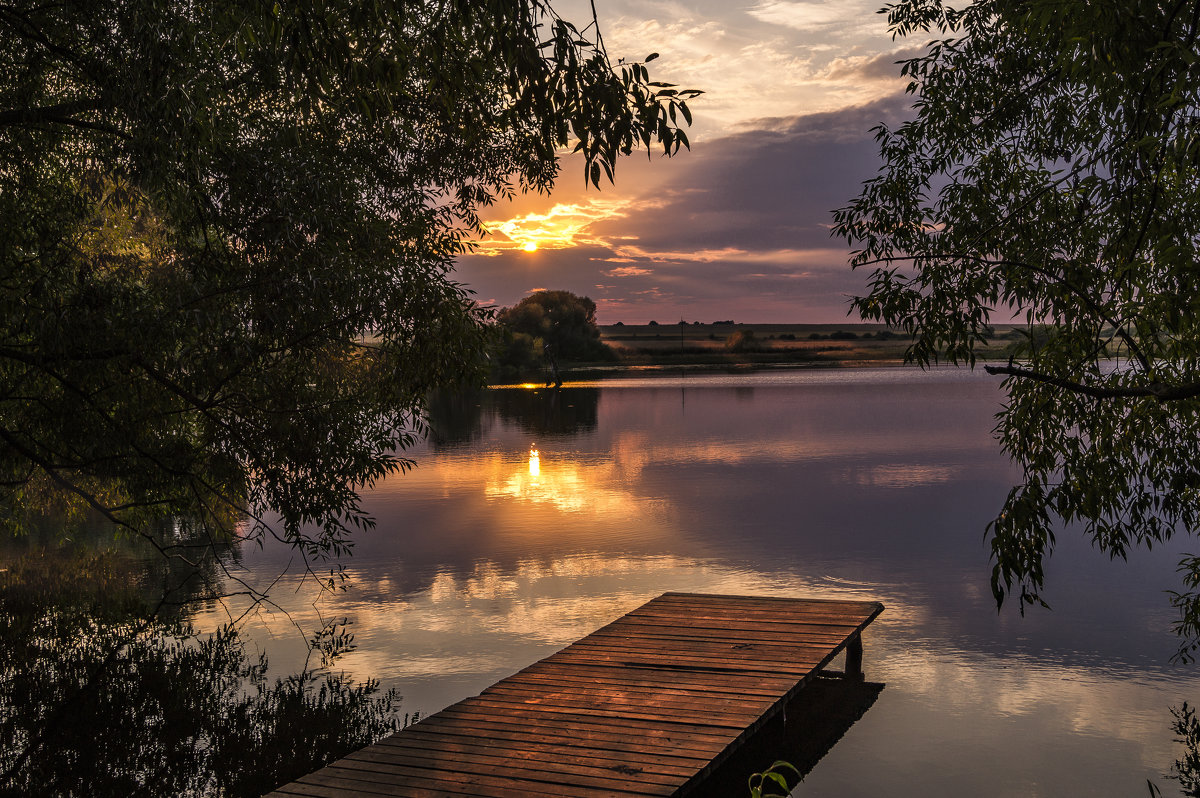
(556, 325)
(1051, 172)
(228, 231)
(101, 695)
(743, 341)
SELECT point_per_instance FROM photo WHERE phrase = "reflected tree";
(550, 413)
(461, 416)
(456, 417)
(99, 696)
(1187, 769)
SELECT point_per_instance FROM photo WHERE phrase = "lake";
(868, 483)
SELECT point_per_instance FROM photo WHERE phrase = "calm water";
(870, 483)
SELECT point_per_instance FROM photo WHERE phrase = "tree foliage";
(1051, 171)
(554, 326)
(227, 231)
(100, 695)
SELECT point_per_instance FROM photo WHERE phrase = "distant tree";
(559, 324)
(653, 323)
(743, 341)
(1052, 172)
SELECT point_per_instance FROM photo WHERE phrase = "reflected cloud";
(870, 484)
(903, 475)
(1097, 702)
(463, 630)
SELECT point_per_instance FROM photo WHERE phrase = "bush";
(743, 341)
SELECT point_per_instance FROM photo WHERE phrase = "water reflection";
(102, 695)
(869, 485)
(548, 412)
(460, 418)
(808, 729)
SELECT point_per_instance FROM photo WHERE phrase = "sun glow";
(561, 227)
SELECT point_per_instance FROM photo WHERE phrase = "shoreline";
(605, 372)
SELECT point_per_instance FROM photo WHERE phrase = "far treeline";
(550, 335)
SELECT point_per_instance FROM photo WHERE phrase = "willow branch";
(1162, 391)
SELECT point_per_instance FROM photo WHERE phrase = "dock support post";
(854, 655)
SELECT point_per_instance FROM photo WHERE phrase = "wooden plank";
(727, 628)
(398, 780)
(514, 766)
(587, 727)
(712, 664)
(646, 705)
(534, 749)
(562, 677)
(692, 647)
(657, 676)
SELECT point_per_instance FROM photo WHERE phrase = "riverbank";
(647, 349)
(669, 344)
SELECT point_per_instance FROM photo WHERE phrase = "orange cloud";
(627, 271)
(562, 227)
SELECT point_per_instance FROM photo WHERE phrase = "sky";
(739, 227)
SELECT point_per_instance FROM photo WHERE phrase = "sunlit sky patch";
(738, 227)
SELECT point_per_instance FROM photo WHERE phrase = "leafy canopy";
(227, 232)
(544, 328)
(101, 695)
(565, 321)
(1052, 172)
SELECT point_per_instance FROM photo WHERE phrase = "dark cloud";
(884, 66)
(738, 227)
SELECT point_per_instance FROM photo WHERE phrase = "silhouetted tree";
(557, 326)
(1051, 171)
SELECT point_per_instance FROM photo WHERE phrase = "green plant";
(777, 780)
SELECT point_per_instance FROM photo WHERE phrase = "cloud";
(562, 227)
(883, 67)
(626, 271)
(802, 16)
(738, 228)
(779, 58)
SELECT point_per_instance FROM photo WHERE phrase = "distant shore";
(647, 349)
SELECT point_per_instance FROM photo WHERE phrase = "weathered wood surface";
(647, 705)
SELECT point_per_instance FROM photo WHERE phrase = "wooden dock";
(647, 705)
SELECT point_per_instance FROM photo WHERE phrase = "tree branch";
(1162, 391)
(49, 113)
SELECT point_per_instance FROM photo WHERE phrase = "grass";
(768, 344)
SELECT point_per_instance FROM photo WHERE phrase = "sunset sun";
(529, 246)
